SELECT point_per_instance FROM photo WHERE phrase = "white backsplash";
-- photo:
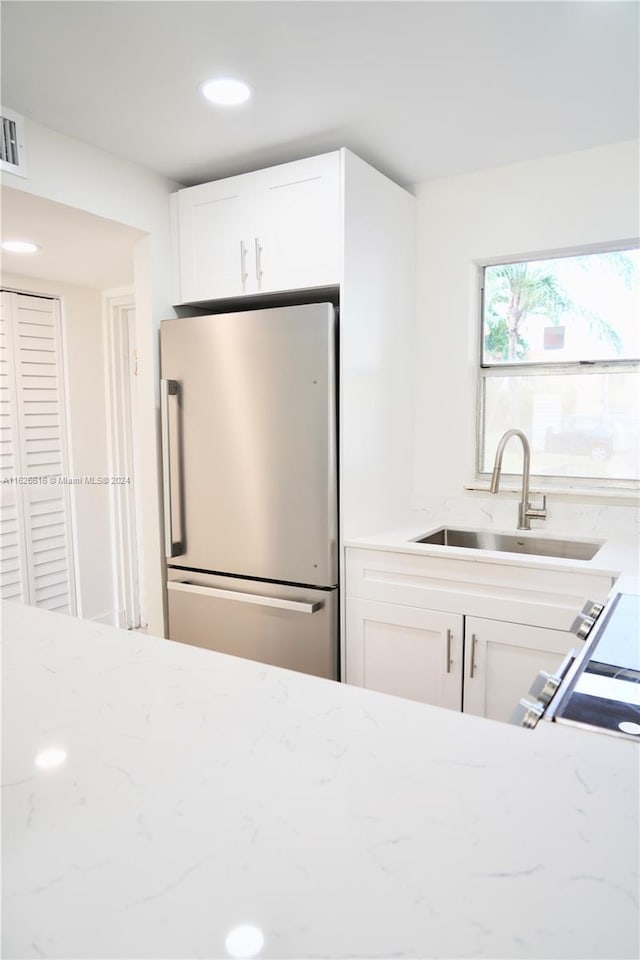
(565, 518)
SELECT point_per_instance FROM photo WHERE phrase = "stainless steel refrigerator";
(248, 403)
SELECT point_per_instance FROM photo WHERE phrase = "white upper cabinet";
(275, 229)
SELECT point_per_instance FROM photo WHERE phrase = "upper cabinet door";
(214, 233)
(297, 225)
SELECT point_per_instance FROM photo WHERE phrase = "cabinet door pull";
(243, 264)
(472, 665)
(258, 262)
(448, 651)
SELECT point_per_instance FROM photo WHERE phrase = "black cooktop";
(618, 641)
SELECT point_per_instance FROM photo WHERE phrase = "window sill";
(627, 497)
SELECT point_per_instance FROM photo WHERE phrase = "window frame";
(540, 368)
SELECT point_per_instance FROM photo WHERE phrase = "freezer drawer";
(291, 627)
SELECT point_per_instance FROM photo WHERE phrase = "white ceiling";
(420, 89)
(76, 247)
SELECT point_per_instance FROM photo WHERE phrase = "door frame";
(121, 370)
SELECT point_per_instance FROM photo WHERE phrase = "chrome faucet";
(525, 511)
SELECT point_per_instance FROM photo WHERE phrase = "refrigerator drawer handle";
(297, 605)
(167, 388)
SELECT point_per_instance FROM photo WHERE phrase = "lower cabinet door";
(502, 660)
(405, 651)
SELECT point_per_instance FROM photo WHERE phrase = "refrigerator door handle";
(297, 606)
(168, 388)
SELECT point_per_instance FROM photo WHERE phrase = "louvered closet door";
(13, 556)
(43, 500)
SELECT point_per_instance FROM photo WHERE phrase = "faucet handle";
(538, 513)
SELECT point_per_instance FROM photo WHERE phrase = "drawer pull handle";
(448, 651)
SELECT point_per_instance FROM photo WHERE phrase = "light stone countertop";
(618, 555)
(200, 792)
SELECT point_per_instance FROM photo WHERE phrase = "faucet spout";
(525, 511)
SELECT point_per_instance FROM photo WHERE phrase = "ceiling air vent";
(12, 155)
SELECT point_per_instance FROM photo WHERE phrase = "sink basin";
(512, 543)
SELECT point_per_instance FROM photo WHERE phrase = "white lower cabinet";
(480, 666)
(502, 621)
(405, 651)
(502, 660)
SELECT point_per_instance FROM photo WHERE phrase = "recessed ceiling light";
(20, 246)
(225, 91)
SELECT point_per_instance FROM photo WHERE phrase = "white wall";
(87, 427)
(82, 176)
(557, 202)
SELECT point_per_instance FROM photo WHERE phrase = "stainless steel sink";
(512, 543)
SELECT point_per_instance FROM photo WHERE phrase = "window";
(560, 352)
